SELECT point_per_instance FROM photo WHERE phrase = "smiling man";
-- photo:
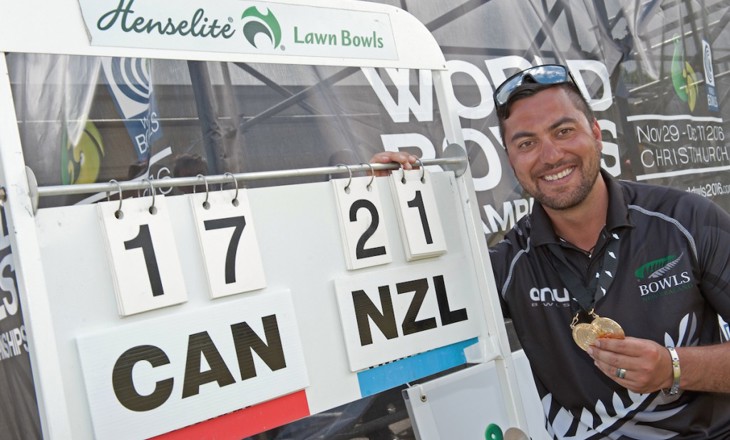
(614, 287)
(555, 153)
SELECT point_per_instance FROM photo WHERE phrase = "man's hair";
(190, 165)
(528, 89)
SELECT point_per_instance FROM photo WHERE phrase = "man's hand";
(405, 160)
(647, 365)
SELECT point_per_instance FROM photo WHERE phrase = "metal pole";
(455, 163)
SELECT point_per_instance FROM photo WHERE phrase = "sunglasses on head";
(547, 74)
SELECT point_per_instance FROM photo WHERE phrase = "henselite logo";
(200, 24)
(655, 279)
(256, 23)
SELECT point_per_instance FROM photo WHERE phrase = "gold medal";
(585, 334)
(608, 328)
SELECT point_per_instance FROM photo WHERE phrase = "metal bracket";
(32, 189)
(456, 151)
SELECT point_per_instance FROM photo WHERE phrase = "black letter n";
(246, 341)
(364, 309)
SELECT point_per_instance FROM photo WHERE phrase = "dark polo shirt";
(671, 282)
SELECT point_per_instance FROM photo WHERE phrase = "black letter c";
(124, 384)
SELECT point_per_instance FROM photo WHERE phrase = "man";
(596, 254)
(188, 165)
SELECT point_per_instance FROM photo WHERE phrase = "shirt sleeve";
(498, 255)
(712, 236)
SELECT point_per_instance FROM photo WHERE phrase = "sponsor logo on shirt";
(549, 297)
(657, 278)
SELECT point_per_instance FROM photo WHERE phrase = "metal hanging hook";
(423, 170)
(206, 205)
(118, 212)
(372, 175)
(152, 208)
(235, 183)
(349, 170)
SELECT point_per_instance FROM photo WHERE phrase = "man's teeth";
(560, 175)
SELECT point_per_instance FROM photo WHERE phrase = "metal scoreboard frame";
(111, 360)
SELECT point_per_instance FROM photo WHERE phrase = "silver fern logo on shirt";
(657, 278)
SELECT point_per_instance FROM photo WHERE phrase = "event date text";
(676, 132)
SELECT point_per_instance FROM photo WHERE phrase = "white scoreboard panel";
(239, 317)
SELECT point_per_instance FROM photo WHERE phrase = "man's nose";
(550, 151)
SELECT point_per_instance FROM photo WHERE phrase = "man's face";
(554, 151)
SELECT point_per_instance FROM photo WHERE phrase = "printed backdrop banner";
(19, 416)
(651, 72)
(130, 85)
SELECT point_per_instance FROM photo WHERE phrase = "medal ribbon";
(587, 296)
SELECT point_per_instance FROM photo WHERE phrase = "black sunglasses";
(547, 74)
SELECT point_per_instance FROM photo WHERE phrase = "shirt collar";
(617, 217)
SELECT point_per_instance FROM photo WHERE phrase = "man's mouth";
(560, 175)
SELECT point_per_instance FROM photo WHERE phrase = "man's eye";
(564, 131)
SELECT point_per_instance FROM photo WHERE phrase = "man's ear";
(596, 129)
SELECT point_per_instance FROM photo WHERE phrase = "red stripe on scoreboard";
(247, 421)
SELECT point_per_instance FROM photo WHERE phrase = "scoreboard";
(177, 310)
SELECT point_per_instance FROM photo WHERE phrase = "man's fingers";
(405, 160)
(637, 364)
